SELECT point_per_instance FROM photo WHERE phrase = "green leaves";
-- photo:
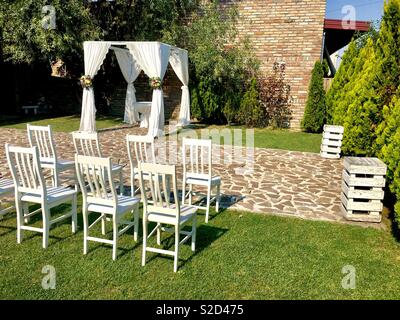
(221, 66)
(315, 112)
(365, 96)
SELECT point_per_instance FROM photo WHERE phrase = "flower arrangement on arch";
(86, 81)
(155, 83)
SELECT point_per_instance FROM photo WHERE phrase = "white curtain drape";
(153, 58)
(130, 70)
(180, 63)
(94, 55)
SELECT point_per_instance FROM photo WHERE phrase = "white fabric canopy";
(95, 53)
(153, 59)
(180, 63)
(130, 70)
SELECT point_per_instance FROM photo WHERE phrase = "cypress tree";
(315, 112)
(339, 88)
(357, 109)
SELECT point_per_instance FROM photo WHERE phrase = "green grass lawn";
(264, 138)
(60, 124)
(239, 256)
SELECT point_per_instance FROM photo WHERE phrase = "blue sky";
(364, 9)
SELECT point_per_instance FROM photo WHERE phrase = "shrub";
(389, 140)
(339, 87)
(315, 112)
(220, 68)
(275, 97)
(251, 112)
(365, 97)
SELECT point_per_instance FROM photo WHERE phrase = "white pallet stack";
(363, 189)
(332, 142)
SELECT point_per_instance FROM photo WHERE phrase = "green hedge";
(315, 112)
(365, 97)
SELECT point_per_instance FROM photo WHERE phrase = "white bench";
(27, 108)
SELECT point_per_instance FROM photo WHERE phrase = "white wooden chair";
(99, 195)
(87, 144)
(42, 138)
(140, 149)
(162, 210)
(6, 189)
(197, 170)
(30, 187)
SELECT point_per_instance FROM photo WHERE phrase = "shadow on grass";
(206, 235)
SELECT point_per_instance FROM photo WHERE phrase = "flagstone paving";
(267, 181)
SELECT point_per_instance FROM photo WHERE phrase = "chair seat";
(125, 204)
(187, 213)
(203, 182)
(61, 164)
(6, 186)
(54, 194)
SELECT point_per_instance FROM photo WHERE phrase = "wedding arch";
(133, 57)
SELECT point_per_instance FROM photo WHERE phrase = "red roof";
(337, 24)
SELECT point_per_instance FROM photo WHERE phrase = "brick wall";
(287, 31)
(171, 89)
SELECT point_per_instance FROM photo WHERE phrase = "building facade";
(287, 31)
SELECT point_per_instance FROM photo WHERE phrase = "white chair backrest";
(42, 138)
(25, 169)
(140, 149)
(87, 143)
(158, 184)
(197, 158)
(93, 175)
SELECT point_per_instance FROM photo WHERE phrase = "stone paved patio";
(290, 183)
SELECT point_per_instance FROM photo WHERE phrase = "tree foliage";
(26, 41)
(365, 97)
(315, 111)
(221, 66)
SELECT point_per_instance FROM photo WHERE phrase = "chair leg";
(103, 224)
(218, 199)
(176, 254)
(190, 194)
(121, 183)
(74, 214)
(25, 208)
(208, 202)
(144, 241)
(55, 178)
(132, 187)
(46, 226)
(183, 191)
(136, 226)
(194, 227)
(85, 229)
(115, 237)
(158, 234)
(20, 219)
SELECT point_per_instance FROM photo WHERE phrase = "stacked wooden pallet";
(363, 189)
(332, 141)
